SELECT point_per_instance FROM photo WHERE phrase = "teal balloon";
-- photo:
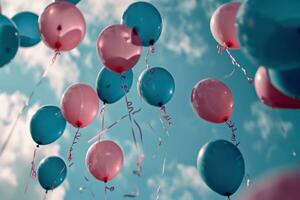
(222, 166)
(9, 40)
(156, 86)
(28, 26)
(286, 81)
(70, 1)
(52, 172)
(47, 125)
(110, 85)
(269, 32)
(144, 18)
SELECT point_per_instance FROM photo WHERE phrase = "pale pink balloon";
(282, 186)
(222, 25)
(212, 101)
(80, 105)
(62, 26)
(269, 95)
(104, 160)
(119, 48)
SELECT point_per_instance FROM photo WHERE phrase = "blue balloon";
(9, 40)
(52, 172)
(286, 81)
(269, 32)
(221, 166)
(156, 86)
(70, 1)
(47, 125)
(110, 85)
(28, 26)
(144, 18)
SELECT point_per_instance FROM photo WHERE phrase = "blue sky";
(187, 49)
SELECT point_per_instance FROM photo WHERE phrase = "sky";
(186, 49)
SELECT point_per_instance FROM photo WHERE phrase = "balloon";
(282, 185)
(47, 125)
(28, 26)
(104, 160)
(110, 85)
(268, 32)
(222, 25)
(156, 86)
(119, 48)
(269, 95)
(222, 166)
(70, 1)
(52, 172)
(144, 18)
(286, 81)
(9, 40)
(62, 26)
(212, 101)
(80, 105)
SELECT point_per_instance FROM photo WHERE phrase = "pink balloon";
(62, 26)
(282, 186)
(222, 25)
(269, 95)
(104, 160)
(119, 48)
(212, 100)
(80, 105)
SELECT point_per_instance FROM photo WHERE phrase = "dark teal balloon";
(109, 85)
(222, 166)
(28, 26)
(52, 172)
(269, 32)
(70, 1)
(9, 40)
(145, 19)
(156, 86)
(47, 125)
(287, 81)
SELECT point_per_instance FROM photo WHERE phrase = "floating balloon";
(268, 32)
(9, 40)
(28, 26)
(270, 95)
(110, 85)
(62, 26)
(144, 18)
(212, 101)
(70, 1)
(52, 172)
(104, 160)
(80, 105)
(222, 166)
(156, 86)
(119, 48)
(222, 25)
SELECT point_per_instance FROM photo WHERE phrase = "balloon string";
(32, 173)
(81, 189)
(165, 119)
(248, 181)
(233, 129)
(139, 161)
(108, 188)
(158, 190)
(228, 197)
(45, 195)
(102, 115)
(27, 103)
(151, 49)
(75, 141)
(134, 194)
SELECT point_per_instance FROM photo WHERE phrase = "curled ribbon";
(75, 141)
(231, 126)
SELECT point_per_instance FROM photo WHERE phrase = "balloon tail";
(151, 49)
(233, 129)
(165, 120)
(228, 197)
(75, 141)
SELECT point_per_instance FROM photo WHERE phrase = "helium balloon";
(119, 48)
(144, 18)
(47, 125)
(70, 1)
(270, 95)
(212, 101)
(80, 105)
(286, 81)
(110, 85)
(28, 26)
(156, 86)
(222, 25)
(222, 166)
(62, 26)
(104, 160)
(52, 171)
(9, 40)
(268, 32)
